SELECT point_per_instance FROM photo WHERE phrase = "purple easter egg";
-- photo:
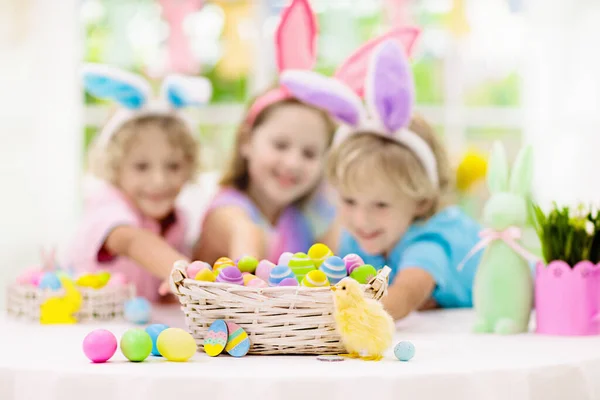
(353, 261)
(263, 270)
(231, 275)
(289, 282)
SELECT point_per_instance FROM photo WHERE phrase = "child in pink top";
(142, 157)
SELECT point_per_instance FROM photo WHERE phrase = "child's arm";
(145, 248)
(409, 291)
(228, 231)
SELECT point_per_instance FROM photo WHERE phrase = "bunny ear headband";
(134, 94)
(379, 71)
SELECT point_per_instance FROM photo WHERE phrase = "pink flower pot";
(567, 300)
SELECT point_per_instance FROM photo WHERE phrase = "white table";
(47, 363)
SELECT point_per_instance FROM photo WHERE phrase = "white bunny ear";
(326, 93)
(389, 87)
(185, 91)
(111, 83)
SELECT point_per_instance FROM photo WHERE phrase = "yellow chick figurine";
(60, 310)
(366, 328)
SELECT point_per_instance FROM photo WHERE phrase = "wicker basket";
(24, 301)
(278, 320)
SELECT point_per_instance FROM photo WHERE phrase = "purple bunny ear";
(325, 93)
(389, 87)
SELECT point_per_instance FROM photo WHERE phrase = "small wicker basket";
(278, 320)
(24, 301)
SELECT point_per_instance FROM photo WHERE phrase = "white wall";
(40, 133)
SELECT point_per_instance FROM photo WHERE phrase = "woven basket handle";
(377, 286)
(178, 274)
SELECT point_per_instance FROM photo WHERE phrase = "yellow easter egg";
(316, 278)
(175, 344)
(318, 252)
(87, 280)
(205, 275)
(248, 278)
(102, 279)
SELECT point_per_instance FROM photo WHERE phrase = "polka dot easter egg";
(263, 270)
(335, 269)
(301, 264)
(247, 264)
(221, 263)
(285, 258)
(315, 279)
(238, 343)
(353, 261)
(216, 338)
(289, 282)
(319, 252)
(195, 267)
(205, 275)
(404, 351)
(278, 274)
(231, 275)
(364, 273)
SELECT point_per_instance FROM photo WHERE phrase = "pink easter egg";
(257, 283)
(100, 345)
(353, 261)
(289, 282)
(117, 279)
(263, 270)
(30, 277)
(195, 267)
(231, 275)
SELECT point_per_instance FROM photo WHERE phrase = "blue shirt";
(437, 245)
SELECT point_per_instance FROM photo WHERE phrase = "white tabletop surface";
(47, 363)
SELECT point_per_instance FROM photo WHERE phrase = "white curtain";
(40, 128)
(562, 99)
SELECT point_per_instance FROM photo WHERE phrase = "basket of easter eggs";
(285, 308)
(54, 296)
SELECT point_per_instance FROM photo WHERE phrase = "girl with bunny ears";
(142, 157)
(394, 181)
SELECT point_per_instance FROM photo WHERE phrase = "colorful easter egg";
(117, 279)
(364, 273)
(335, 269)
(136, 345)
(154, 330)
(195, 267)
(238, 342)
(216, 338)
(289, 282)
(205, 275)
(353, 261)
(404, 351)
(231, 275)
(221, 263)
(257, 283)
(176, 345)
(137, 310)
(301, 264)
(247, 264)
(49, 280)
(285, 258)
(279, 273)
(30, 277)
(318, 252)
(248, 277)
(103, 279)
(315, 278)
(99, 345)
(263, 269)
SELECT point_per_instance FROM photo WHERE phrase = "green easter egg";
(301, 260)
(136, 345)
(364, 273)
(247, 264)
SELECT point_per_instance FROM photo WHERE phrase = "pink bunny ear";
(354, 70)
(389, 87)
(296, 35)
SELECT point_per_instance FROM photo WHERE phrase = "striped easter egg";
(353, 261)
(231, 275)
(238, 342)
(315, 278)
(278, 274)
(335, 269)
(216, 338)
(221, 263)
(301, 264)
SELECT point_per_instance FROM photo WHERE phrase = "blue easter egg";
(279, 273)
(154, 330)
(404, 351)
(335, 269)
(50, 281)
(137, 310)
